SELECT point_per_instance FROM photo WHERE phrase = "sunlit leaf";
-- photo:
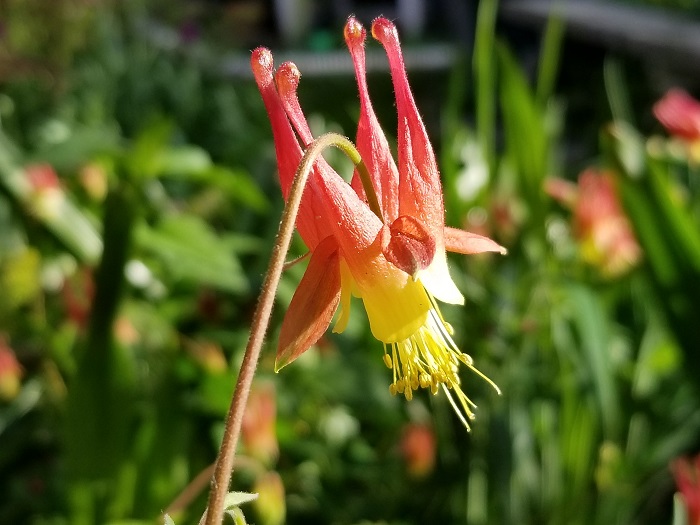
(192, 252)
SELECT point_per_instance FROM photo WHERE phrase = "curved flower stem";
(261, 317)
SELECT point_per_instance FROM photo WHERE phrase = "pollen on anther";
(424, 380)
(466, 359)
(388, 361)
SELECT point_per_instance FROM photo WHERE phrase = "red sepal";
(313, 305)
(467, 243)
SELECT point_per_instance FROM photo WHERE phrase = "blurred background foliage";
(138, 204)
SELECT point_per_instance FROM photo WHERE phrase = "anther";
(388, 361)
(466, 359)
(424, 380)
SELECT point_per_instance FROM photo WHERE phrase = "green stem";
(102, 388)
(261, 317)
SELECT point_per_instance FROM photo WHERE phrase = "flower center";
(429, 359)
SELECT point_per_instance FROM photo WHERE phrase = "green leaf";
(192, 252)
(53, 207)
(527, 141)
(236, 499)
(681, 225)
(237, 516)
(680, 514)
(144, 159)
(81, 145)
(19, 278)
(237, 184)
(184, 161)
(485, 78)
(550, 53)
(589, 317)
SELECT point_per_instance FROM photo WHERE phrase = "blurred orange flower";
(258, 433)
(600, 224)
(418, 448)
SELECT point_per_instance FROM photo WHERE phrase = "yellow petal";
(436, 279)
(346, 285)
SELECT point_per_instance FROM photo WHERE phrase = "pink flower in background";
(680, 114)
(42, 177)
(687, 474)
(603, 230)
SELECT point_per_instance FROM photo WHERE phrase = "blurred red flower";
(687, 474)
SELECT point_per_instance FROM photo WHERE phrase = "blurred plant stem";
(99, 408)
(261, 317)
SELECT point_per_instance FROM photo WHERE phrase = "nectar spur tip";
(262, 62)
(354, 31)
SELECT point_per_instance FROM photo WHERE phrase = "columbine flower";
(606, 236)
(393, 260)
(687, 474)
(680, 115)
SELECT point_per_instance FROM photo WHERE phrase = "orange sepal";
(467, 243)
(313, 305)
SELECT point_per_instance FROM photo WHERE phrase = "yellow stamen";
(429, 359)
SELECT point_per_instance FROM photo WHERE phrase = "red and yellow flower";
(394, 259)
(606, 238)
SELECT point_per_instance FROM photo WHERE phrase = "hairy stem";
(261, 317)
